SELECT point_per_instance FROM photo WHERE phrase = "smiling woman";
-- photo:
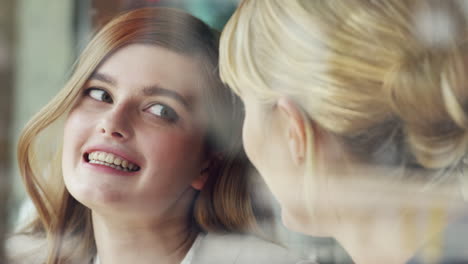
(150, 165)
(123, 147)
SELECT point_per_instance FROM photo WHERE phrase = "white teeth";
(109, 159)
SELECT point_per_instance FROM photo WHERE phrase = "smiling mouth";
(110, 160)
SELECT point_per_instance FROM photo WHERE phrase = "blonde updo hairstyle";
(387, 78)
(222, 205)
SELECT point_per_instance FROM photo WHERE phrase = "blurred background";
(39, 41)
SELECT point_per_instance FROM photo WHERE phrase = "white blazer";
(211, 249)
(240, 249)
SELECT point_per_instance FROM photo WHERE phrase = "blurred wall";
(7, 44)
(44, 54)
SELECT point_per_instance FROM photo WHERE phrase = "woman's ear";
(202, 177)
(294, 126)
(200, 180)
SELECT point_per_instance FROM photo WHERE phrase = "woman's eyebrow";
(103, 77)
(158, 90)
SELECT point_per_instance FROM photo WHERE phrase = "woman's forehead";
(150, 67)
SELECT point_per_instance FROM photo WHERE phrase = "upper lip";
(113, 150)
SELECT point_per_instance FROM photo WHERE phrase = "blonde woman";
(356, 116)
(138, 159)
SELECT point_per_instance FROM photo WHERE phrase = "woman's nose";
(116, 124)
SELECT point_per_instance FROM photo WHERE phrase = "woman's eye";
(99, 95)
(164, 111)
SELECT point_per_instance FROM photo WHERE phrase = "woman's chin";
(96, 196)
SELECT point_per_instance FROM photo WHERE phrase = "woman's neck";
(165, 241)
(388, 222)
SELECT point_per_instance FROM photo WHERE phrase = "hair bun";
(428, 92)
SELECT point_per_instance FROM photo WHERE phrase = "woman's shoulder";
(239, 249)
(27, 249)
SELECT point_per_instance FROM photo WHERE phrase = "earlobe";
(200, 180)
(294, 124)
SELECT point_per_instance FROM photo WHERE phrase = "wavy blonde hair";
(222, 205)
(387, 78)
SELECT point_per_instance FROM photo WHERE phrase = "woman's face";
(134, 141)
